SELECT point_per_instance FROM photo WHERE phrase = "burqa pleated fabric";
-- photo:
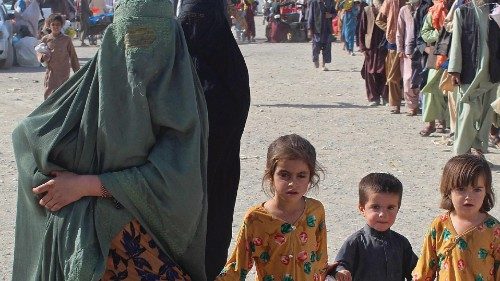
(224, 77)
(135, 115)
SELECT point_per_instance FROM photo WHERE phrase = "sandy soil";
(288, 96)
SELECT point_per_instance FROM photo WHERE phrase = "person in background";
(475, 67)
(319, 26)
(223, 73)
(351, 10)
(387, 21)
(404, 43)
(249, 11)
(28, 17)
(24, 45)
(435, 107)
(372, 44)
(62, 56)
(85, 13)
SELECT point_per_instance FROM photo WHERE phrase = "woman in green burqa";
(112, 167)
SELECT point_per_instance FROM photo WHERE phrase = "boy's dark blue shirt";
(377, 256)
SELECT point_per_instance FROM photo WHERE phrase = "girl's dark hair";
(55, 17)
(462, 171)
(290, 147)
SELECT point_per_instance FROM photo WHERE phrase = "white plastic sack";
(25, 52)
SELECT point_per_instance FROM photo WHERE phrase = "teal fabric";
(135, 115)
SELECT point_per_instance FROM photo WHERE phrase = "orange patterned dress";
(134, 255)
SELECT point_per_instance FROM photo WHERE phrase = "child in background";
(464, 243)
(61, 57)
(376, 252)
(285, 237)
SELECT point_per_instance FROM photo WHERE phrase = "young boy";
(62, 56)
(375, 252)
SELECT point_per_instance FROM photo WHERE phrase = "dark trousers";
(326, 50)
(375, 86)
(224, 77)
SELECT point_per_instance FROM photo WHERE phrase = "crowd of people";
(423, 52)
(92, 207)
(411, 56)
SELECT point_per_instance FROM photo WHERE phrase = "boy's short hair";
(379, 183)
(55, 17)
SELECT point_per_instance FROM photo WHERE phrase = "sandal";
(396, 110)
(427, 131)
(412, 112)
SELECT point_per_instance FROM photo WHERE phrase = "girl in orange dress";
(285, 237)
(462, 244)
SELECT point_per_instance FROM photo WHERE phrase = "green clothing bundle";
(136, 116)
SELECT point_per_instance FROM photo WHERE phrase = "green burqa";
(135, 115)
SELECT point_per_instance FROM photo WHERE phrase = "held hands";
(343, 275)
(66, 188)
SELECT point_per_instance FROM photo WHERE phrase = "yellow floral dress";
(280, 251)
(472, 256)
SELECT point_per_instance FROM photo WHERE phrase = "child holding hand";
(463, 244)
(285, 237)
(376, 252)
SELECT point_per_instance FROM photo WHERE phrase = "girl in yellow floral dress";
(462, 244)
(285, 237)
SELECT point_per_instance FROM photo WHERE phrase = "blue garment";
(22, 5)
(349, 21)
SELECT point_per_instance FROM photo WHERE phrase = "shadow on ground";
(20, 69)
(315, 106)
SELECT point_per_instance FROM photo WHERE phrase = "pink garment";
(405, 31)
(411, 95)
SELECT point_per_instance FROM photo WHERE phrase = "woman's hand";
(66, 188)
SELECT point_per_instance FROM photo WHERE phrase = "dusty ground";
(288, 96)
